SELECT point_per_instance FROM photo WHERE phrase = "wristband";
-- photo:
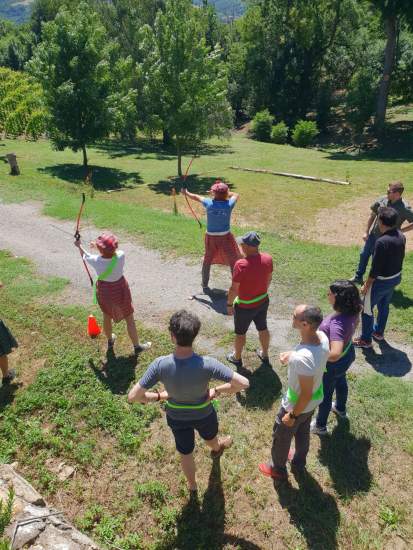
(230, 305)
(159, 395)
(292, 415)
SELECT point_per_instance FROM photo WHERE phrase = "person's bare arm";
(232, 195)
(232, 294)
(269, 280)
(406, 228)
(192, 196)
(370, 222)
(336, 349)
(237, 384)
(139, 395)
(79, 246)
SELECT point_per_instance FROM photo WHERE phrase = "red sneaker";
(267, 470)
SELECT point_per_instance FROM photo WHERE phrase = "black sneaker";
(231, 359)
(206, 290)
(9, 378)
(356, 280)
(142, 347)
(264, 358)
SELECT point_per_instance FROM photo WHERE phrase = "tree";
(393, 14)
(184, 82)
(74, 63)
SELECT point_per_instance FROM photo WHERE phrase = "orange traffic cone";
(93, 329)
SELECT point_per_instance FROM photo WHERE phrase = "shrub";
(279, 133)
(361, 99)
(304, 133)
(261, 126)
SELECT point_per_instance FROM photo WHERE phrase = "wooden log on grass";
(288, 175)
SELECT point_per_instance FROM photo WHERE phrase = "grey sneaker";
(142, 347)
(9, 378)
(318, 430)
(341, 414)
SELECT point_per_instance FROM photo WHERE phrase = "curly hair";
(185, 327)
(347, 295)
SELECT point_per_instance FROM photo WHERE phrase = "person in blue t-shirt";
(220, 245)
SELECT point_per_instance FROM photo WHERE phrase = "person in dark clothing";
(404, 214)
(385, 275)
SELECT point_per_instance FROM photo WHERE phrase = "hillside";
(19, 10)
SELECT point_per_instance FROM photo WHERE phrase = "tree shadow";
(8, 394)
(265, 388)
(117, 373)
(313, 512)
(400, 301)
(346, 458)
(156, 149)
(203, 527)
(390, 362)
(195, 183)
(216, 299)
(103, 178)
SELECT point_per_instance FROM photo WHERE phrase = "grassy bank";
(127, 491)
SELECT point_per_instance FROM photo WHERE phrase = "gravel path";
(159, 286)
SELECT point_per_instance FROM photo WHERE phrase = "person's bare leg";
(4, 365)
(107, 326)
(239, 344)
(132, 331)
(213, 444)
(189, 469)
(264, 337)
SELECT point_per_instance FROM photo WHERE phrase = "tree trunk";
(179, 153)
(166, 138)
(389, 58)
(84, 156)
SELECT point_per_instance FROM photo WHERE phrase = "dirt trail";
(159, 286)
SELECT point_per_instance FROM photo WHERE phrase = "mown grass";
(128, 492)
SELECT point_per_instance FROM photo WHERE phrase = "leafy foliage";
(279, 133)
(22, 109)
(304, 133)
(261, 125)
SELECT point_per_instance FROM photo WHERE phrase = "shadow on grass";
(265, 388)
(390, 362)
(397, 146)
(117, 373)
(203, 526)
(400, 301)
(346, 458)
(7, 395)
(103, 178)
(313, 512)
(195, 183)
(156, 150)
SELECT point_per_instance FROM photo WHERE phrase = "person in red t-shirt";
(248, 296)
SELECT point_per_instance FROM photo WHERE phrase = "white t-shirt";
(101, 264)
(307, 360)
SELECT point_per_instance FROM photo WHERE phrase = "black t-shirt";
(388, 254)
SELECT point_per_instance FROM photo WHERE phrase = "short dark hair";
(185, 327)
(312, 315)
(388, 216)
(347, 295)
(397, 186)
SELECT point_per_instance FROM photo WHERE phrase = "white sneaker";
(341, 414)
(111, 342)
(314, 429)
(142, 347)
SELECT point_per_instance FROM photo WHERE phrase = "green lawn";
(304, 269)
(128, 492)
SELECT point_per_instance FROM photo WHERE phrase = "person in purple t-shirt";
(339, 327)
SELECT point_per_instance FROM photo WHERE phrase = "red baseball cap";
(220, 187)
(107, 242)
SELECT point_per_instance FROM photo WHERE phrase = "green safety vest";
(292, 396)
(214, 403)
(253, 301)
(106, 273)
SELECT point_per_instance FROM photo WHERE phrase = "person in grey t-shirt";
(188, 397)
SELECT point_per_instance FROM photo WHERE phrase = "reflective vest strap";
(214, 403)
(292, 396)
(106, 273)
(253, 301)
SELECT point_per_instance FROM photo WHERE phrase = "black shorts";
(184, 431)
(7, 340)
(243, 317)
